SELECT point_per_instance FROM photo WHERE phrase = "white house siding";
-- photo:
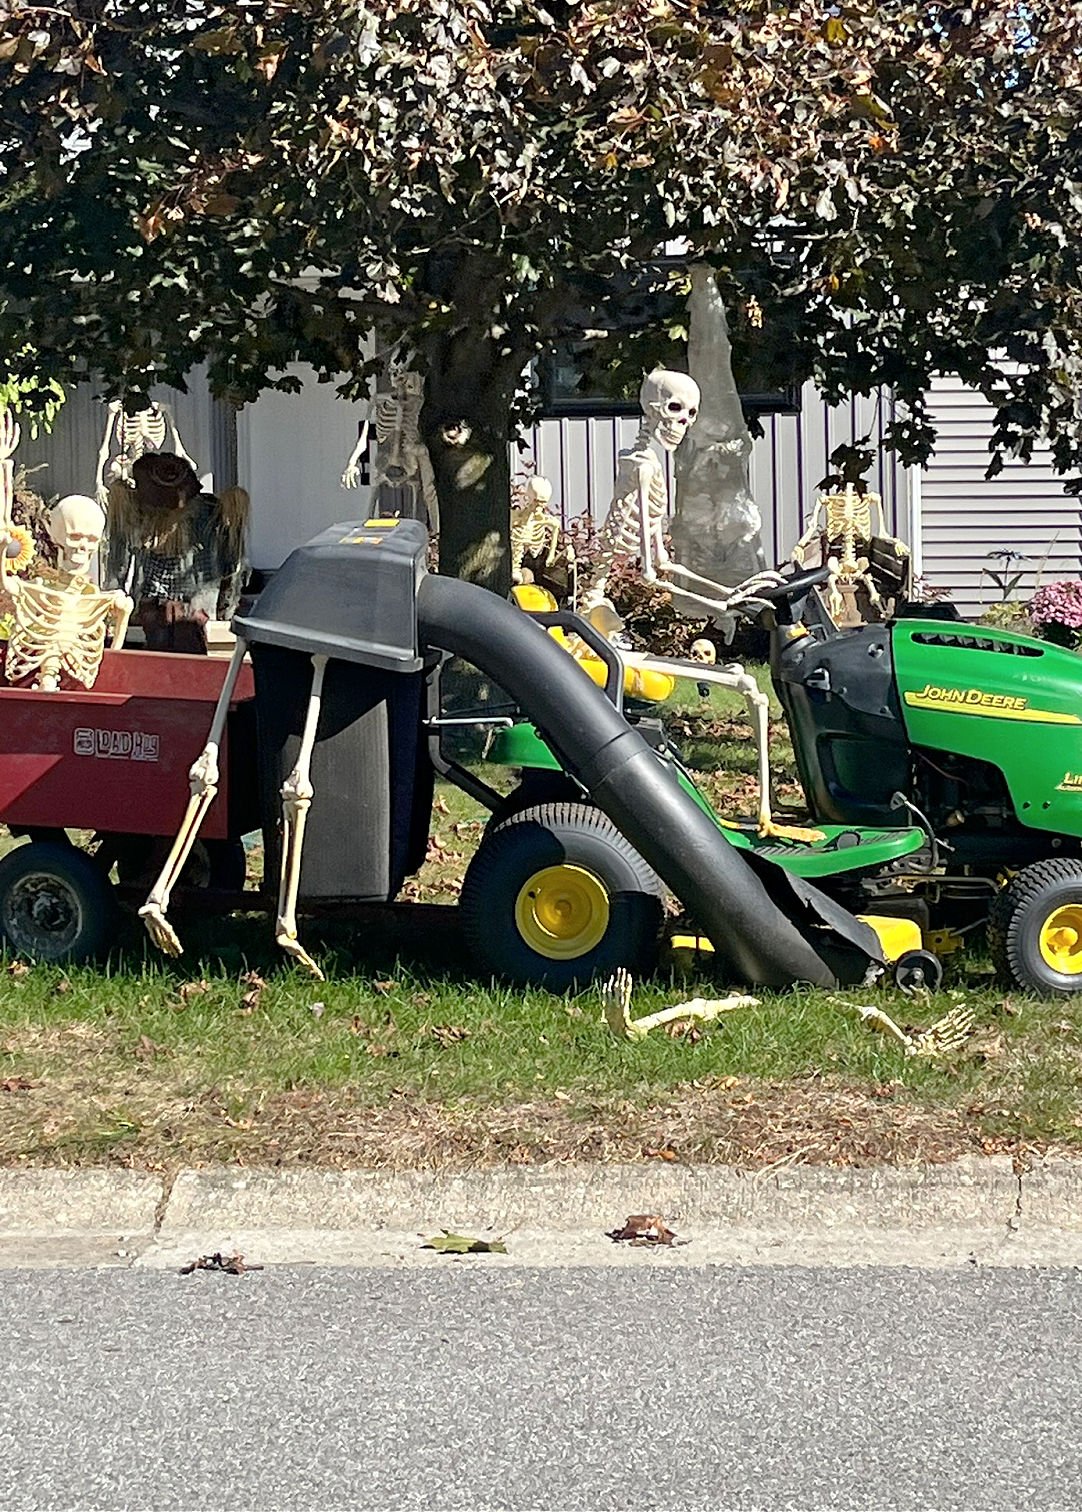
(291, 452)
(964, 516)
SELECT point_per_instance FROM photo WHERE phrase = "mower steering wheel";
(788, 597)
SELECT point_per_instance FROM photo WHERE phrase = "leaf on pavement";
(231, 1265)
(643, 1229)
(447, 1243)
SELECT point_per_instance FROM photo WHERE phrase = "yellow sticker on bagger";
(989, 705)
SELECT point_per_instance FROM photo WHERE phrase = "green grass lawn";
(400, 1058)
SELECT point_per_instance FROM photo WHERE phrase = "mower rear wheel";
(56, 904)
(557, 897)
(1035, 928)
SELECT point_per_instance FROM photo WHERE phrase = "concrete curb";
(977, 1210)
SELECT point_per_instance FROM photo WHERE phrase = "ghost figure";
(60, 618)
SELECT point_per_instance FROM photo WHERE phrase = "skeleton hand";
(9, 434)
(352, 475)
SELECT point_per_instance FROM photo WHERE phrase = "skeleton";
(204, 777)
(402, 459)
(843, 523)
(59, 619)
(616, 1008)
(635, 523)
(133, 436)
(534, 530)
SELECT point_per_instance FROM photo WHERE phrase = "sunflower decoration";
(19, 535)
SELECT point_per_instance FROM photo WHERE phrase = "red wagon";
(113, 761)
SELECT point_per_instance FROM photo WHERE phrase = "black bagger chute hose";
(769, 928)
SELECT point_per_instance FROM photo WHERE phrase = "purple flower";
(1058, 604)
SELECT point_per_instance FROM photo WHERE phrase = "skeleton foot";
(160, 930)
(293, 948)
(770, 829)
(616, 1007)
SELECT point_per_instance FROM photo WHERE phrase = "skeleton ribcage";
(621, 533)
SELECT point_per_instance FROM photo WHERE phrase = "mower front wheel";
(56, 904)
(557, 897)
(1035, 929)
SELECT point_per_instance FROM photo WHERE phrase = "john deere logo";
(972, 698)
(991, 705)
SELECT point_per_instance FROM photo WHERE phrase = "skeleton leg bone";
(297, 792)
(204, 778)
(733, 676)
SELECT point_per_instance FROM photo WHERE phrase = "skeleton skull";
(670, 402)
(703, 651)
(77, 525)
(538, 491)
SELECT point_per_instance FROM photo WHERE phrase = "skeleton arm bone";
(101, 492)
(174, 438)
(352, 474)
(648, 545)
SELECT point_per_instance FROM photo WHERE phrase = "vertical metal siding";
(964, 515)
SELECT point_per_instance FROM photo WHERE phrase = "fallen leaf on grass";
(684, 1030)
(147, 1049)
(666, 1153)
(188, 990)
(16, 1084)
(447, 1243)
(231, 1265)
(256, 986)
(384, 987)
(317, 1009)
(62, 987)
(643, 1229)
(447, 1035)
(17, 970)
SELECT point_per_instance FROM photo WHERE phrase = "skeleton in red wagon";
(59, 619)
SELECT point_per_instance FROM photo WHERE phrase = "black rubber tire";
(918, 971)
(537, 789)
(56, 904)
(554, 834)
(1015, 921)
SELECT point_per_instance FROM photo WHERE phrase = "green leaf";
(447, 1243)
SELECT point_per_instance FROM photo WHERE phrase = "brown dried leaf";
(16, 1084)
(188, 990)
(230, 1265)
(665, 1153)
(384, 987)
(147, 1049)
(62, 987)
(643, 1229)
(446, 1035)
(17, 970)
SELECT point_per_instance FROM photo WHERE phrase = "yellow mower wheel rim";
(1061, 940)
(562, 912)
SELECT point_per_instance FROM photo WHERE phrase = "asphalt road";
(720, 1388)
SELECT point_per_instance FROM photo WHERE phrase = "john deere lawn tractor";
(974, 733)
(981, 731)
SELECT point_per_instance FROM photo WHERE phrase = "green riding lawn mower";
(942, 763)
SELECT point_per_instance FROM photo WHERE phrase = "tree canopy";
(884, 189)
